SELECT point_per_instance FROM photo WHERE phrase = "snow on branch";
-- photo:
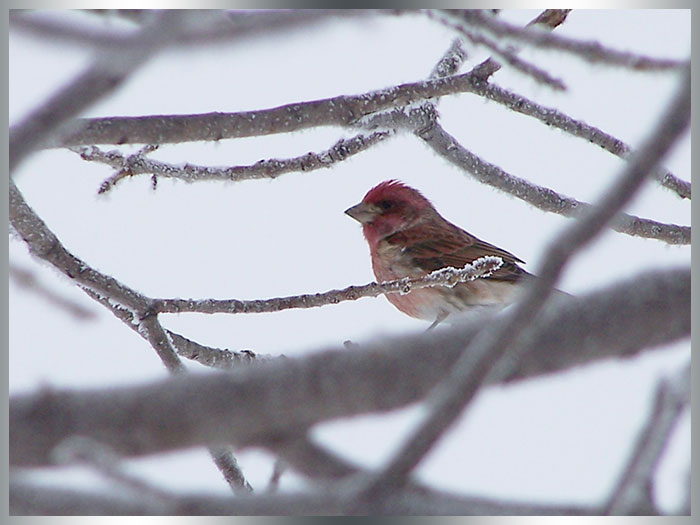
(341, 110)
(577, 128)
(33, 498)
(510, 57)
(138, 163)
(482, 267)
(542, 197)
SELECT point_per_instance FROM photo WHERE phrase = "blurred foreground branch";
(250, 404)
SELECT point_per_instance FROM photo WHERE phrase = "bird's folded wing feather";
(434, 246)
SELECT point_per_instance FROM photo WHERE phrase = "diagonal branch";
(31, 498)
(590, 51)
(492, 345)
(557, 119)
(336, 111)
(138, 163)
(204, 29)
(633, 492)
(251, 404)
(129, 305)
(49, 122)
(542, 197)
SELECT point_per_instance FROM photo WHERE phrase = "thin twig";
(103, 459)
(138, 163)
(510, 57)
(492, 344)
(480, 268)
(633, 493)
(542, 197)
(590, 51)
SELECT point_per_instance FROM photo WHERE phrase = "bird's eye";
(385, 205)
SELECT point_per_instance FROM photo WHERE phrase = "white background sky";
(562, 439)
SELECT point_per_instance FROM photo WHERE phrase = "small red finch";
(407, 237)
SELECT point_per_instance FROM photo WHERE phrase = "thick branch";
(336, 111)
(28, 498)
(250, 404)
(264, 169)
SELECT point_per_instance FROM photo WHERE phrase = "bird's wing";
(434, 246)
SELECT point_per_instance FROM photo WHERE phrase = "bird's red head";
(389, 207)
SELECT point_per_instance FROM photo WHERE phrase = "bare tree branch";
(336, 111)
(25, 278)
(509, 56)
(541, 197)
(634, 491)
(482, 267)
(138, 163)
(204, 27)
(39, 499)
(549, 18)
(130, 306)
(49, 122)
(590, 51)
(552, 18)
(251, 404)
(460, 386)
(555, 118)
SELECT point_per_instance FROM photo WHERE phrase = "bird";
(407, 237)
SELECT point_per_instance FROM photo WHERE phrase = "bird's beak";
(363, 212)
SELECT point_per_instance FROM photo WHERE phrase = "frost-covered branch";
(494, 345)
(482, 267)
(138, 163)
(87, 452)
(336, 111)
(510, 57)
(555, 118)
(594, 52)
(252, 404)
(130, 306)
(634, 491)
